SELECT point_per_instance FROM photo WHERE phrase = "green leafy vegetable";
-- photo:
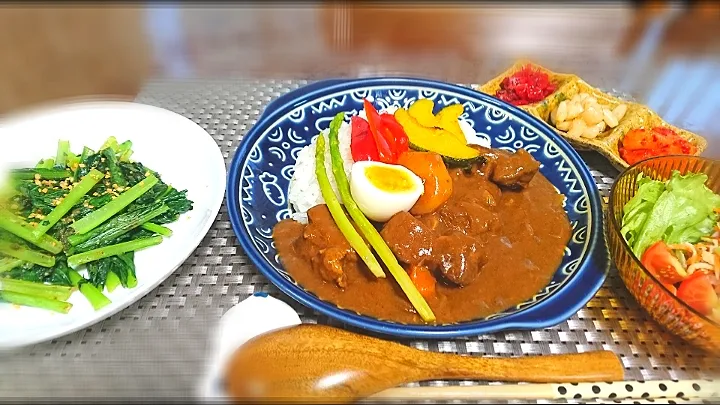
(96, 218)
(22, 252)
(119, 225)
(35, 301)
(679, 210)
(44, 173)
(97, 299)
(56, 292)
(107, 251)
(9, 263)
(91, 211)
(158, 229)
(72, 198)
(18, 227)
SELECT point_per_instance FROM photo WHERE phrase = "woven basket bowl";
(661, 304)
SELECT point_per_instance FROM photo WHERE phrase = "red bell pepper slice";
(362, 144)
(396, 130)
(385, 153)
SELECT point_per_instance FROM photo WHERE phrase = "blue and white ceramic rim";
(584, 268)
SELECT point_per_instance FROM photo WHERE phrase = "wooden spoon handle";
(570, 368)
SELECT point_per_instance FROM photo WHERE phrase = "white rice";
(304, 190)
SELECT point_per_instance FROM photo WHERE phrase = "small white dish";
(257, 314)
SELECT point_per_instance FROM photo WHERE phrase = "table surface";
(157, 347)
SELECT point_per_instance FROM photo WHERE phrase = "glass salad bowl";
(668, 310)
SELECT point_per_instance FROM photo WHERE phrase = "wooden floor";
(665, 58)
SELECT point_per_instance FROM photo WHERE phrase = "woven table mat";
(156, 348)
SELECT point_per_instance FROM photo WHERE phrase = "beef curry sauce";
(495, 243)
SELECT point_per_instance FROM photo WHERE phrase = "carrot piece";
(423, 280)
(437, 183)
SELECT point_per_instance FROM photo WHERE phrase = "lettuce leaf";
(679, 210)
(637, 210)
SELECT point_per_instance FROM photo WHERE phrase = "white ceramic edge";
(197, 239)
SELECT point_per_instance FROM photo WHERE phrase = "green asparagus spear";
(368, 230)
(341, 219)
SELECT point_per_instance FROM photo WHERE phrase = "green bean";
(342, 221)
(368, 230)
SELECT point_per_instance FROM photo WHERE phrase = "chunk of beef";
(510, 170)
(321, 230)
(467, 217)
(458, 257)
(515, 170)
(325, 246)
(331, 262)
(409, 239)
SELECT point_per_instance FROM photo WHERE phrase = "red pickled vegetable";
(640, 144)
(527, 86)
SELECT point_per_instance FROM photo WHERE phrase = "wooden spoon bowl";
(310, 363)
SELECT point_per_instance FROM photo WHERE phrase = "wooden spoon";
(310, 363)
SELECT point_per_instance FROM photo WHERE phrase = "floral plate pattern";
(263, 166)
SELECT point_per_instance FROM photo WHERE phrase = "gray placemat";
(156, 348)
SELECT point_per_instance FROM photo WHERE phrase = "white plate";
(182, 153)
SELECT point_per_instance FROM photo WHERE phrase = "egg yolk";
(389, 179)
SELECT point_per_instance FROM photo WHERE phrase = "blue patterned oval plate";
(262, 168)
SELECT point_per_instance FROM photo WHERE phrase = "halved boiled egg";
(382, 190)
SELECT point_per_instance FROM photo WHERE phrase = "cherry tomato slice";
(659, 260)
(697, 291)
